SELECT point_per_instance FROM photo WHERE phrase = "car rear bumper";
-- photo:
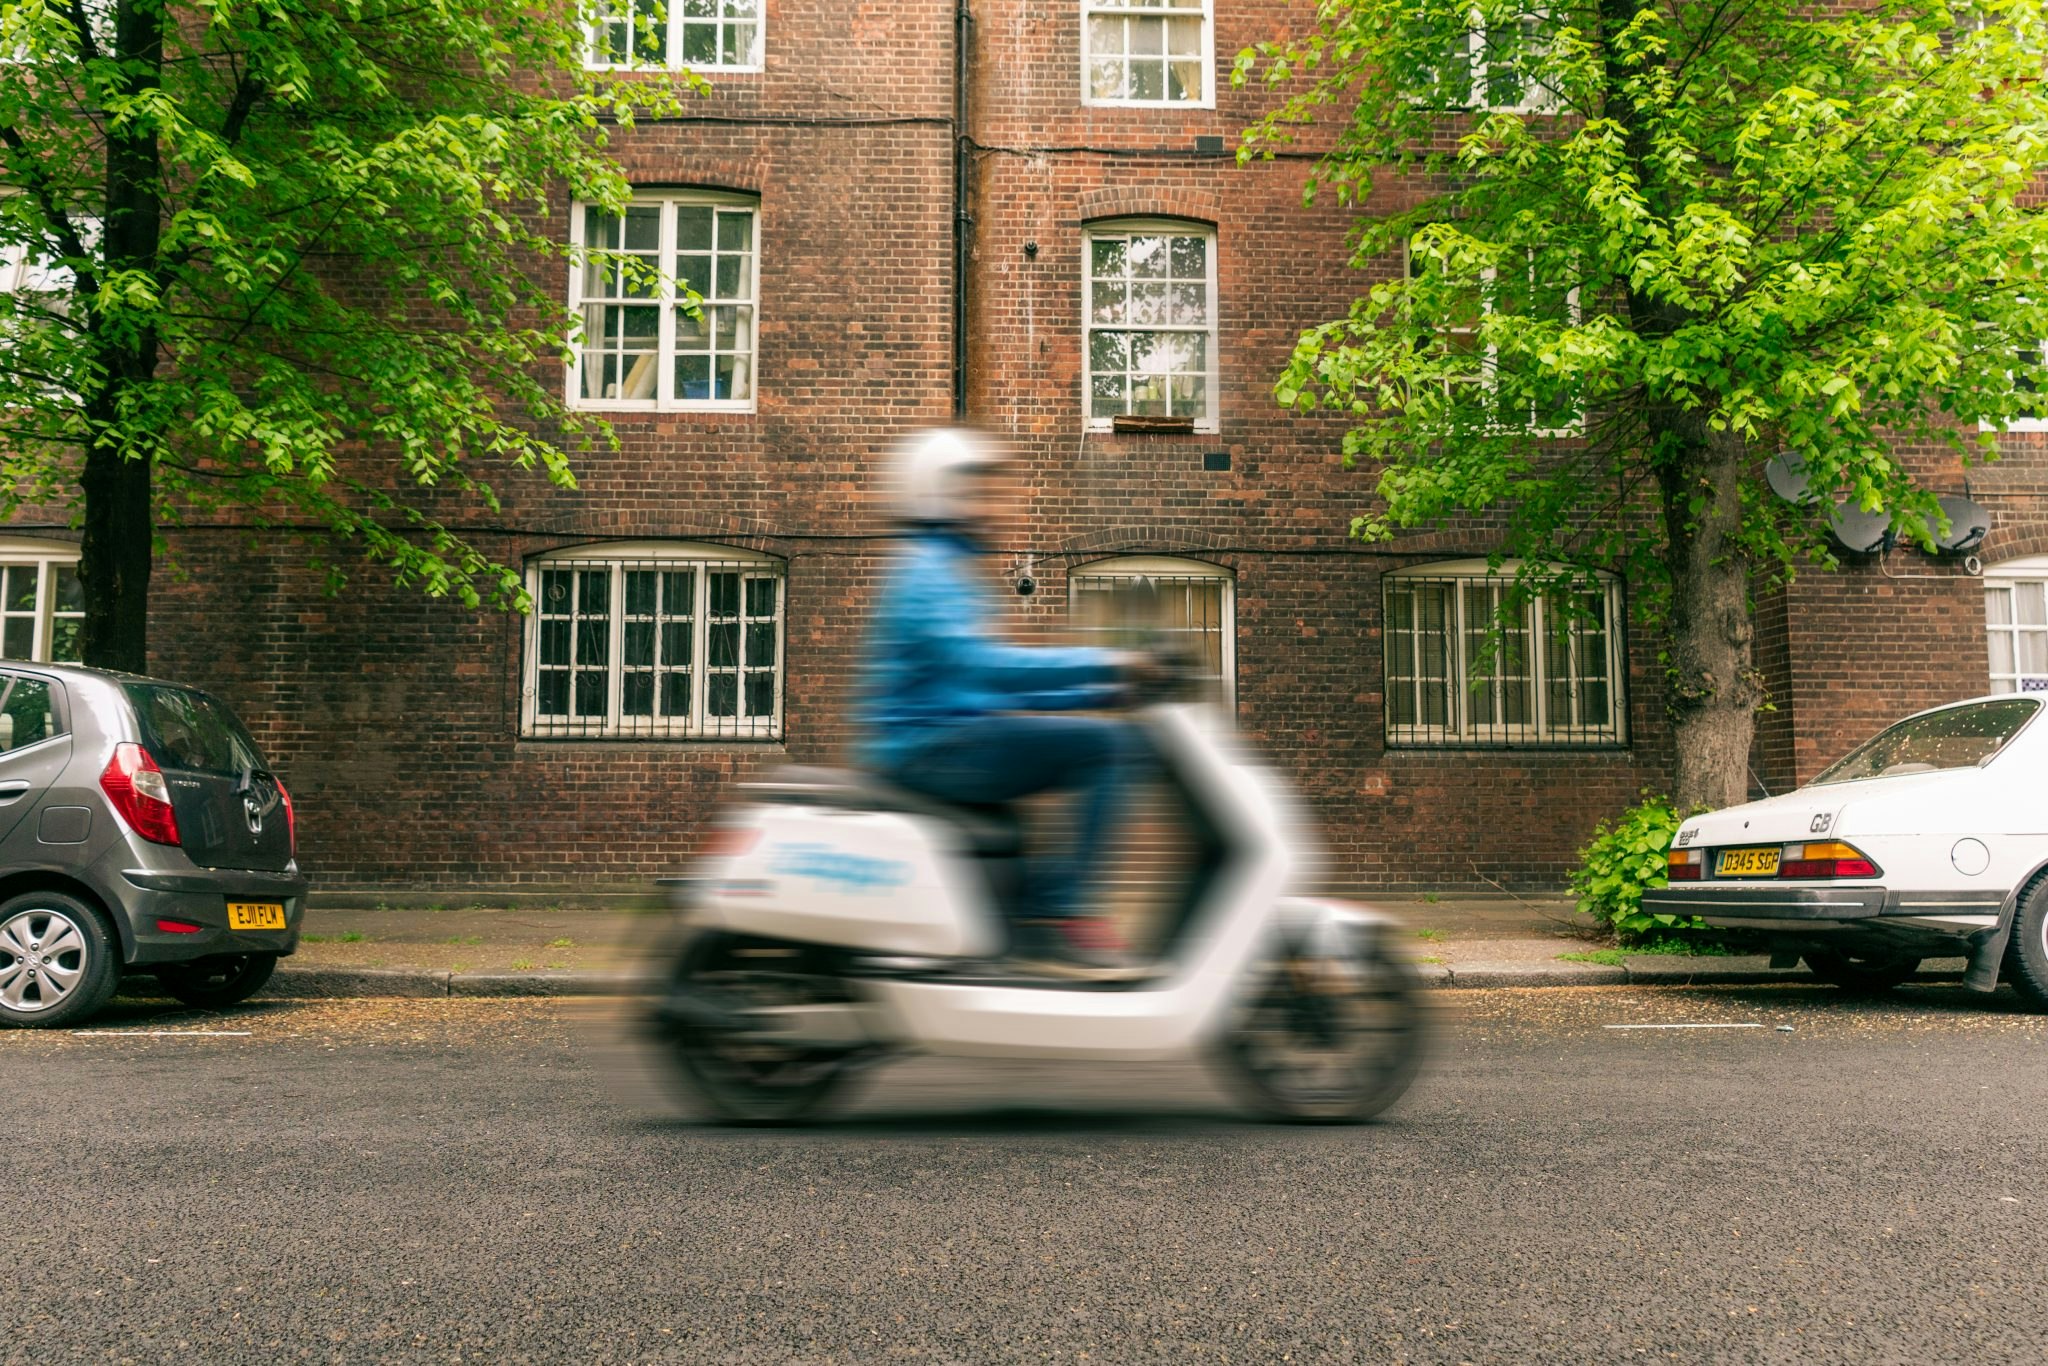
(200, 897)
(1709, 902)
(1936, 914)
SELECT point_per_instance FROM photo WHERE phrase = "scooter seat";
(990, 831)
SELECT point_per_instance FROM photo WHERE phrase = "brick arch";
(1151, 201)
(667, 168)
(2022, 537)
(1143, 540)
(740, 534)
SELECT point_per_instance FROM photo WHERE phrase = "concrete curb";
(331, 983)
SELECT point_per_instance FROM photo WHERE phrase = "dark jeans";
(1000, 758)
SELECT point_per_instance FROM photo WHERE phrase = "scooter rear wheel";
(1328, 1040)
(739, 1076)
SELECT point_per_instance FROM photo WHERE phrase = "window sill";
(665, 742)
(666, 70)
(1087, 103)
(1106, 427)
(1470, 746)
(599, 405)
(2021, 427)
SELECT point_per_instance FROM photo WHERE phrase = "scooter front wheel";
(739, 1075)
(1327, 1039)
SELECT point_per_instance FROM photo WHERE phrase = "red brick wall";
(395, 717)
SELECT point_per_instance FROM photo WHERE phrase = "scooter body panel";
(879, 881)
(1180, 1012)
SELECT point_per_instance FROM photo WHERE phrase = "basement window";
(42, 605)
(1468, 666)
(654, 641)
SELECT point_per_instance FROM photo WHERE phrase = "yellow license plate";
(1748, 862)
(255, 915)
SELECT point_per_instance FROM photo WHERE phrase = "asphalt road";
(445, 1180)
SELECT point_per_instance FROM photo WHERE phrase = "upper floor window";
(1146, 600)
(641, 34)
(1467, 665)
(26, 268)
(1540, 283)
(1488, 66)
(2030, 380)
(1150, 306)
(42, 605)
(638, 344)
(654, 641)
(2016, 624)
(1146, 52)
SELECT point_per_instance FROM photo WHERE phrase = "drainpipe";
(963, 221)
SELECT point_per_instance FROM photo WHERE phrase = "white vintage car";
(1930, 840)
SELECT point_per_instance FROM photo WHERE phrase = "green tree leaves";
(353, 287)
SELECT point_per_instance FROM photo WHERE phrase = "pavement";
(1579, 1175)
(475, 946)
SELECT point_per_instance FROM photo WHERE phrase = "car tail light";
(1683, 865)
(291, 819)
(178, 927)
(1807, 862)
(136, 787)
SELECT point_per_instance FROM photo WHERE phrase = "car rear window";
(1960, 737)
(191, 731)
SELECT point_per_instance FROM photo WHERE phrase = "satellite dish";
(1786, 473)
(1968, 524)
(1866, 533)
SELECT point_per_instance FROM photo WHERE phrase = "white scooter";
(840, 921)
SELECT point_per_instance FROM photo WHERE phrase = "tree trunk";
(114, 560)
(1714, 688)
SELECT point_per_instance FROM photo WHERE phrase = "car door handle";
(10, 791)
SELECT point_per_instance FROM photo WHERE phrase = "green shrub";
(1624, 859)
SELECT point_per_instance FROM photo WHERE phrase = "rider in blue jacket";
(950, 709)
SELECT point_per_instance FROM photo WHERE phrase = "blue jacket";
(934, 658)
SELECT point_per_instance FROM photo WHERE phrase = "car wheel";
(216, 983)
(2026, 956)
(58, 963)
(1862, 972)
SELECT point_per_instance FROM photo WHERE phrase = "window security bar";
(1458, 676)
(655, 649)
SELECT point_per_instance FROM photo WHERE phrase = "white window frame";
(1127, 9)
(1212, 397)
(1489, 356)
(1132, 568)
(98, 13)
(1459, 729)
(2006, 578)
(2021, 424)
(22, 272)
(664, 399)
(672, 58)
(1535, 99)
(46, 557)
(703, 560)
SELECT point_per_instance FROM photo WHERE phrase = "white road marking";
(1685, 1026)
(160, 1033)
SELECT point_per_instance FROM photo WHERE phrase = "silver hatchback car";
(141, 831)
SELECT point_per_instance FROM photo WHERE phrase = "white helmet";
(934, 471)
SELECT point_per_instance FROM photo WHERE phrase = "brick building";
(700, 597)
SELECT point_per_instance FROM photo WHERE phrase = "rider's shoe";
(1080, 948)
